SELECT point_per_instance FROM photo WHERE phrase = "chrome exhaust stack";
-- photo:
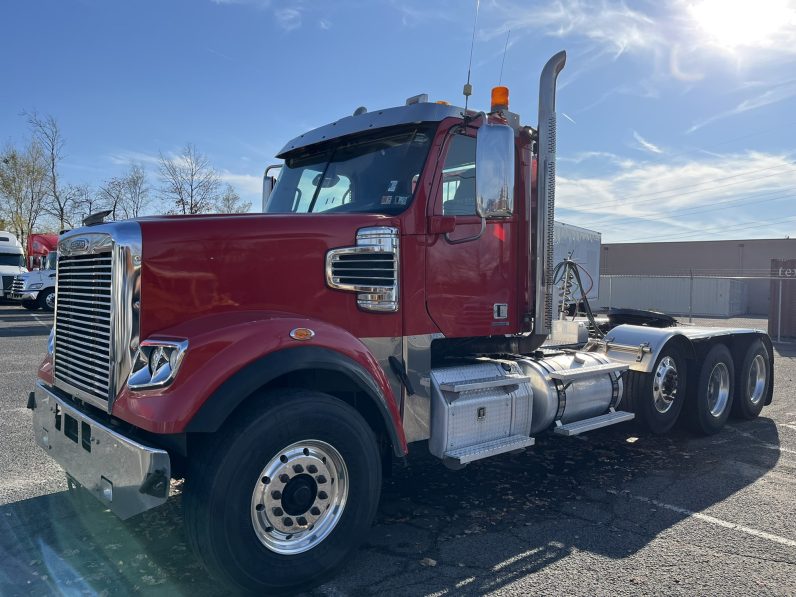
(545, 199)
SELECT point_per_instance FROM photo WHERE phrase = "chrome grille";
(7, 281)
(83, 338)
(18, 284)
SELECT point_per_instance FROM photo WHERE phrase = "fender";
(231, 355)
(639, 346)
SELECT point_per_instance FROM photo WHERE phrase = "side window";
(458, 177)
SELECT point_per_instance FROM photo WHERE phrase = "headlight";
(156, 363)
(35, 286)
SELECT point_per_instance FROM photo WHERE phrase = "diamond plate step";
(610, 418)
(482, 384)
(580, 372)
(491, 448)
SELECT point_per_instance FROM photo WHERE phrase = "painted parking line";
(760, 443)
(709, 519)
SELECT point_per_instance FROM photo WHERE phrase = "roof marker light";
(500, 98)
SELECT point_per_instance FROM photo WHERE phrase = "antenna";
(502, 62)
(468, 89)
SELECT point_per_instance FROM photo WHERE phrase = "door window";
(458, 177)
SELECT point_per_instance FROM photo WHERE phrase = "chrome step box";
(479, 410)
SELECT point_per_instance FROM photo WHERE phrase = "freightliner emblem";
(79, 244)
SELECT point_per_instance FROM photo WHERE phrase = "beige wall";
(742, 258)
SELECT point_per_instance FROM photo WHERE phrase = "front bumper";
(25, 295)
(125, 475)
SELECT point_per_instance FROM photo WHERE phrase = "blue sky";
(676, 118)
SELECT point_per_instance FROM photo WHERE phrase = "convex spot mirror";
(327, 182)
(494, 171)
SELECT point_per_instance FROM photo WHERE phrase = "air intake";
(370, 269)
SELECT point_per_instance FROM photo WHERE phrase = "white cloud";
(124, 158)
(646, 145)
(708, 197)
(288, 18)
(325, 24)
(773, 95)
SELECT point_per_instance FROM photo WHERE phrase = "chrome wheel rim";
(756, 380)
(664, 385)
(718, 389)
(50, 300)
(299, 497)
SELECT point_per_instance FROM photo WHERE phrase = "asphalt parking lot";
(614, 512)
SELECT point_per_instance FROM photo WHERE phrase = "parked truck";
(12, 262)
(36, 289)
(404, 271)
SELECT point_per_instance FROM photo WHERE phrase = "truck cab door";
(471, 271)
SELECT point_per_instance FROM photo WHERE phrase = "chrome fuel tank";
(580, 396)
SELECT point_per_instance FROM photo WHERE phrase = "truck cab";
(36, 289)
(12, 262)
(404, 292)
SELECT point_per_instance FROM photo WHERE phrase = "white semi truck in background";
(12, 262)
(36, 289)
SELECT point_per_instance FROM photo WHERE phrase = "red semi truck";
(405, 291)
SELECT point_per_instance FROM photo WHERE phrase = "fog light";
(106, 489)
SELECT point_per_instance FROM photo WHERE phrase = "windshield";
(11, 259)
(52, 260)
(375, 174)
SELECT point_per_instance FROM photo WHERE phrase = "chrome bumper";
(26, 295)
(125, 475)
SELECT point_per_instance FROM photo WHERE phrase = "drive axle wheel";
(280, 496)
(752, 382)
(710, 405)
(657, 398)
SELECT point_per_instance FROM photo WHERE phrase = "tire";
(30, 305)
(752, 382)
(228, 480)
(711, 400)
(658, 397)
(46, 299)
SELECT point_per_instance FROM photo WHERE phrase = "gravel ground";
(614, 512)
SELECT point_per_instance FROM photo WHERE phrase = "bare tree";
(23, 188)
(111, 193)
(230, 202)
(60, 202)
(136, 192)
(189, 183)
(87, 201)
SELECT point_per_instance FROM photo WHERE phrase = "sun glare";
(733, 24)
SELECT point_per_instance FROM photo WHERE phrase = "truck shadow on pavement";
(464, 532)
(23, 322)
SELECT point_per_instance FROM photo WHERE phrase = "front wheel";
(657, 397)
(282, 495)
(46, 300)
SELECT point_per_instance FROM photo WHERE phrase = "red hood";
(201, 265)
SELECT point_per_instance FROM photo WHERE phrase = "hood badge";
(79, 244)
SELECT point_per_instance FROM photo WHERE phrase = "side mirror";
(494, 171)
(269, 182)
